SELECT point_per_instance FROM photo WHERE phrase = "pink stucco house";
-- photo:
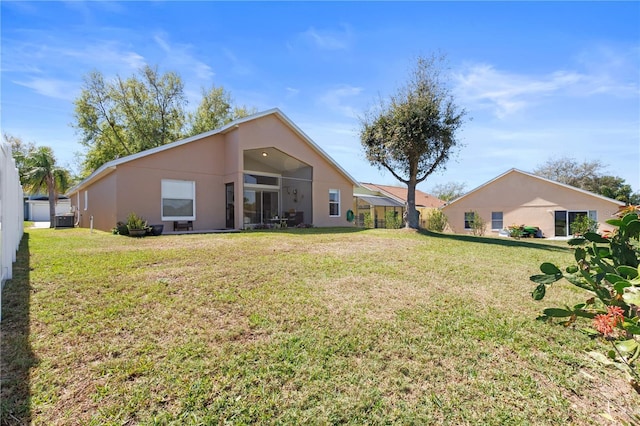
(260, 169)
(520, 198)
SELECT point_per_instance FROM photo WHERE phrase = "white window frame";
(493, 228)
(337, 192)
(86, 200)
(192, 197)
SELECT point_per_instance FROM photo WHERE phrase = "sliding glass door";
(564, 219)
(260, 206)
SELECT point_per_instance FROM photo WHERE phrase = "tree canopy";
(413, 133)
(125, 116)
(215, 110)
(588, 175)
(20, 151)
(449, 191)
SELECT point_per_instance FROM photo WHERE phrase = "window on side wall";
(334, 202)
(496, 221)
(86, 200)
(468, 220)
(178, 199)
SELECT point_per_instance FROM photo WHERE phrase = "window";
(468, 220)
(564, 219)
(178, 199)
(86, 200)
(496, 221)
(256, 179)
(334, 202)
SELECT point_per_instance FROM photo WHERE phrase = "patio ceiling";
(275, 159)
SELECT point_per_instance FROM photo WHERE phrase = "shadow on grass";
(17, 357)
(504, 242)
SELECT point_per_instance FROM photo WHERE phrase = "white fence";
(11, 214)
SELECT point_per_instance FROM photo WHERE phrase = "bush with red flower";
(609, 269)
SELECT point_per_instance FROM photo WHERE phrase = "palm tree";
(41, 172)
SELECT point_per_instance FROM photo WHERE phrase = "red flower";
(603, 323)
(616, 313)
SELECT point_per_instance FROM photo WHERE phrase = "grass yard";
(294, 327)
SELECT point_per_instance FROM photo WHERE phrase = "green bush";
(477, 224)
(608, 269)
(120, 229)
(367, 221)
(136, 222)
(436, 220)
(392, 220)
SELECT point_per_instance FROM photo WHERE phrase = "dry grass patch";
(292, 327)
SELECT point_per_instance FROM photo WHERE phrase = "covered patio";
(277, 189)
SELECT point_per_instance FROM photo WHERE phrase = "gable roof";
(111, 166)
(542, 179)
(400, 193)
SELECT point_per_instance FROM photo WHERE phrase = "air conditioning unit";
(64, 221)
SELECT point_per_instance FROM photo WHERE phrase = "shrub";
(516, 231)
(120, 229)
(607, 268)
(392, 220)
(135, 222)
(367, 220)
(477, 224)
(436, 220)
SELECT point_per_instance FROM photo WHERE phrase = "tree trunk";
(52, 204)
(412, 213)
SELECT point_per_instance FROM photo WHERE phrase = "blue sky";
(539, 80)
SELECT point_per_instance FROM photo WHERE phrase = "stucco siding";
(99, 201)
(526, 200)
(141, 186)
(270, 132)
(212, 160)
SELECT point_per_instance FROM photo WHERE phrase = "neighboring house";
(371, 207)
(424, 201)
(255, 171)
(36, 207)
(521, 198)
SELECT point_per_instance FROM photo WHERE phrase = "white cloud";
(237, 66)
(507, 93)
(291, 92)
(329, 39)
(52, 88)
(337, 99)
(179, 56)
(600, 72)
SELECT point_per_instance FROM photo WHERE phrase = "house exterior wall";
(526, 200)
(100, 203)
(270, 132)
(140, 182)
(211, 162)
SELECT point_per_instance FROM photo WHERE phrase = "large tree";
(122, 117)
(42, 173)
(413, 133)
(449, 191)
(587, 175)
(20, 152)
(215, 110)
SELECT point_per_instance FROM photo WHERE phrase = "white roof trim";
(564, 185)
(110, 166)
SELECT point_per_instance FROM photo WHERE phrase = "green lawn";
(294, 327)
